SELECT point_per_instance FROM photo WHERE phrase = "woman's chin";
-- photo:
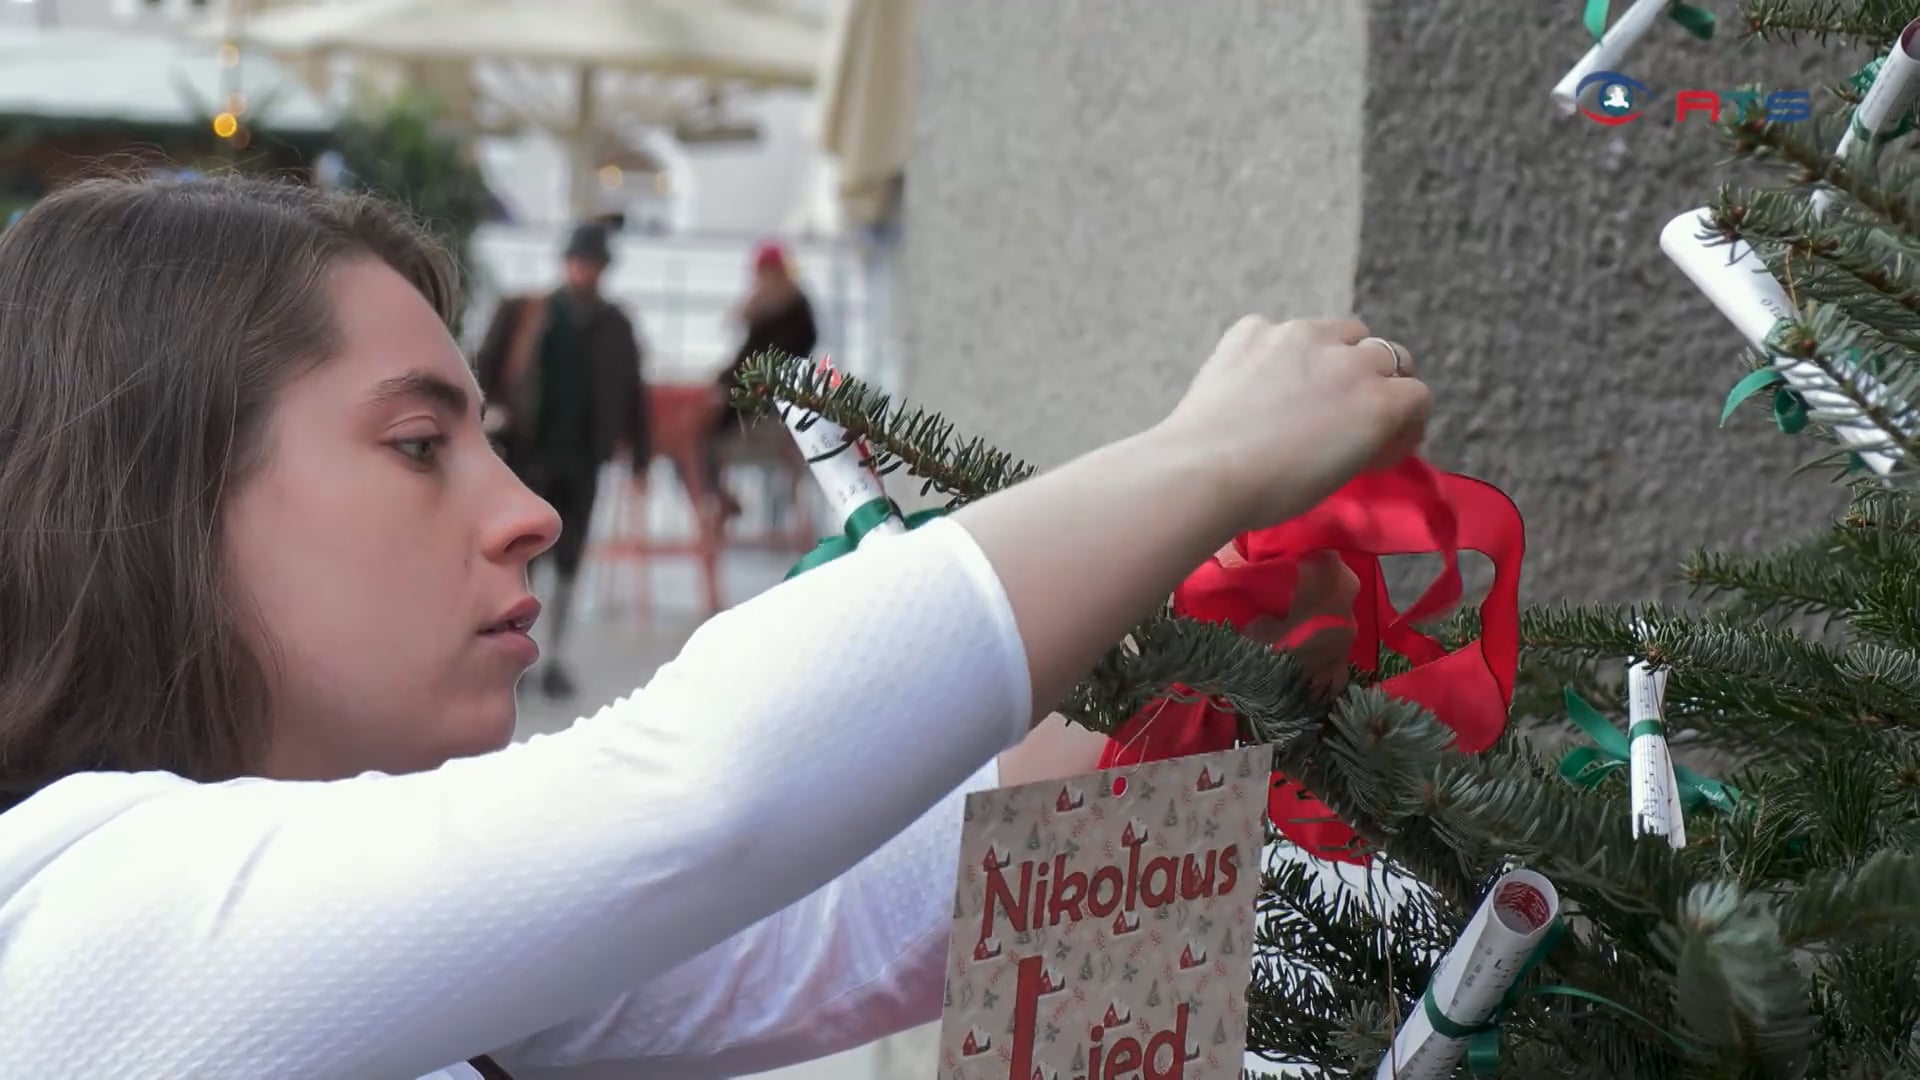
(489, 727)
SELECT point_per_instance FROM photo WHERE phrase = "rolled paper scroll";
(1738, 283)
(1474, 979)
(1613, 46)
(1882, 111)
(843, 468)
(1654, 789)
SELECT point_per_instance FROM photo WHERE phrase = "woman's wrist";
(1201, 481)
(1085, 551)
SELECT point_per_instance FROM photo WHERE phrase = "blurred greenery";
(400, 148)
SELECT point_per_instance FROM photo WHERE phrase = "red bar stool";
(679, 420)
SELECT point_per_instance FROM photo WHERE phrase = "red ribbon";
(1410, 509)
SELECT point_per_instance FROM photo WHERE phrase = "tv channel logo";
(1617, 99)
(1613, 99)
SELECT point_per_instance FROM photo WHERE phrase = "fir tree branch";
(1869, 22)
(1321, 953)
(1880, 382)
(922, 441)
(1802, 580)
(1385, 768)
(1754, 685)
(1884, 889)
(1867, 993)
(1884, 609)
(1807, 147)
(1870, 371)
(1883, 510)
(1834, 260)
(1881, 528)
(1265, 686)
(1369, 766)
(1739, 996)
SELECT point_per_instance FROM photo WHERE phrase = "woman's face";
(384, 547)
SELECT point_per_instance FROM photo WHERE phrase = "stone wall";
(1099, 188)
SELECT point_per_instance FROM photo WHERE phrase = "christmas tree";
(1732, 835)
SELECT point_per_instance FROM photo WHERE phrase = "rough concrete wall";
(1099, 188)
(1517, 250)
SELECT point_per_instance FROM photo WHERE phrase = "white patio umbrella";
(866, 103)
(735, 41)
(748, 43)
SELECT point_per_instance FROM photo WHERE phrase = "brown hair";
(145, 327)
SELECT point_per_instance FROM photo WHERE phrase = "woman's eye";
(421, 450)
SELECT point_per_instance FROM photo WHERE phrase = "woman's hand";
(1291, 411)
(1279, 418)
(1323, 587)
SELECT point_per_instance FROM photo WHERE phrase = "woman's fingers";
(1324, 593)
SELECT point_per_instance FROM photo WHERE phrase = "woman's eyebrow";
(425, 386)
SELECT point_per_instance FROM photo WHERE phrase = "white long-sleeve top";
(748, 862)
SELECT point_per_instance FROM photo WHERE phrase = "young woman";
(263, 605)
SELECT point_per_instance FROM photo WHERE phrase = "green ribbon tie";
(1585, 766)
(1789, 408)
(1483, 1039)
(862, 521)
(1697, 21)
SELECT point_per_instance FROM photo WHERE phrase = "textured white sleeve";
(387, 926)
(863, 958)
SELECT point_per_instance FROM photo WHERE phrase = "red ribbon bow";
(1410, 509)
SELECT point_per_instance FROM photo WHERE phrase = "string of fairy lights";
(229, 124)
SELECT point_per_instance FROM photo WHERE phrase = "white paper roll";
(1613, 46)
(1735, 279)
(1654, 791)
(1881, 108)
(847, 477)
(1891, 94)
(1474, 975)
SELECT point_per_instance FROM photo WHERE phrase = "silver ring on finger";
(1399, 355)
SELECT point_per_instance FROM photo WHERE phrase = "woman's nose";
(524, 524)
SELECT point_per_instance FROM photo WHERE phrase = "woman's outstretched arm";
(864, 957)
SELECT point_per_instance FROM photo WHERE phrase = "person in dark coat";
(777, 316)
(561, 373)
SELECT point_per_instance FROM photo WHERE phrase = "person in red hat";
(777, 316)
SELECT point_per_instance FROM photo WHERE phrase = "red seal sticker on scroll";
(1103, 925)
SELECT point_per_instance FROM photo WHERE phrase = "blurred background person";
(561, 373)
(776, 316)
